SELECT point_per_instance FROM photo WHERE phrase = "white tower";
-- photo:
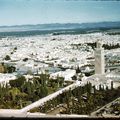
(99, 59)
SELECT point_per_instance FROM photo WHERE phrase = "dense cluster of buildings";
(61, 55)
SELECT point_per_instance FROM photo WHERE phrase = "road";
(49, 97)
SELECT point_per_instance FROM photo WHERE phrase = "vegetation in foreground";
(81, 100)
(20, 93)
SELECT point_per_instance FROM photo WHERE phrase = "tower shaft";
(99, 61)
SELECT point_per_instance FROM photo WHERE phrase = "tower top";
(99, 44)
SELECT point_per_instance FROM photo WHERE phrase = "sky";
(18, 12)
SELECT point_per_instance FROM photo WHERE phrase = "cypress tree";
(112, 85)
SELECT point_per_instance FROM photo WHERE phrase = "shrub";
(7, 57)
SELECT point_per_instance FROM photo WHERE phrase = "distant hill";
(57, 28)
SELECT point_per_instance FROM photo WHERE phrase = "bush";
(15, 48)
(25, 59)
(18, 82)
(10, 69)
(7, 57)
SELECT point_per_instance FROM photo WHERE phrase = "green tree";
(7, 57)
(25, 59)
(60, 81)
(44, 78)
(44, 91)
(18, 82)
(10, 69)
(13, 92)
(112, 85)
(78, 70)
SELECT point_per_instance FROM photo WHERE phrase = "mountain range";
(60, 26)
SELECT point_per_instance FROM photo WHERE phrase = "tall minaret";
(99, 59)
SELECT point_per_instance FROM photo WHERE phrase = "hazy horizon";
(32, 12)
(55, 23)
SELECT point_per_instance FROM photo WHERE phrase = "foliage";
(18, 82)
(9, 69)
(78, 70)
(7, 57)
(105, 46)
(25, 59)
(81, 100)
(15, 48)
(20, 92)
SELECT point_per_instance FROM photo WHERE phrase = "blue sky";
(17, 12)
